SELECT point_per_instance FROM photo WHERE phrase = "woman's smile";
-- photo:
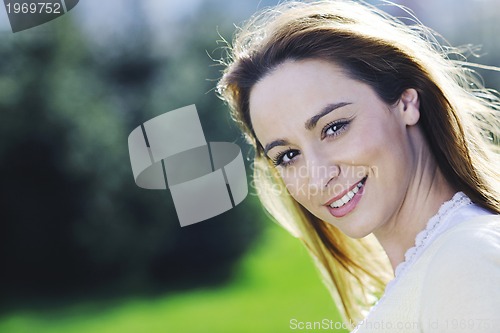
(344, 203)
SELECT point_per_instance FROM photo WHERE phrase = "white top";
(450, 279)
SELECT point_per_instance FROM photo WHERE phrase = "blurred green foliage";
(74, 222)
(276, 283)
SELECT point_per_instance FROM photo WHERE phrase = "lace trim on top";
(423, 237)
(422, 240)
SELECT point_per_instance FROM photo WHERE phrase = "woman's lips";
(344, 203)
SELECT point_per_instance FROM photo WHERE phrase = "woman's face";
(343, 154)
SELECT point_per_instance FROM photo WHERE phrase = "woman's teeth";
(347, 197)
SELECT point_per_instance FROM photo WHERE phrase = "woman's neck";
(427, 191)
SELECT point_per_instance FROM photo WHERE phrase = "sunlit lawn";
(276, 282)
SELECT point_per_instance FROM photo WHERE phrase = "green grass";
(276, 282)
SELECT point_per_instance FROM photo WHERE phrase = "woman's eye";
(334, 129)
(285, 158)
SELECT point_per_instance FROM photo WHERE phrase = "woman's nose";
(321, 171)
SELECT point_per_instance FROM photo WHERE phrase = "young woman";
(366, 133)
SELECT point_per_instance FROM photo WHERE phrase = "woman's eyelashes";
(331, 129)
(285, 158)
(334, 128)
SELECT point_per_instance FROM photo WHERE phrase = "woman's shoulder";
(462, 277)
(473, 242)
(474, 234)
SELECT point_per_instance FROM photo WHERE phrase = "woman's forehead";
(305, 86)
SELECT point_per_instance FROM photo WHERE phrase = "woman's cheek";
(296, 187)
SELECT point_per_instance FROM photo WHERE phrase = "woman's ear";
(410, 106)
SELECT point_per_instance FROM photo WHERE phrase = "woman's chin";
(353, 229)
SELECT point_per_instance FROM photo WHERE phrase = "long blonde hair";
(459, 118)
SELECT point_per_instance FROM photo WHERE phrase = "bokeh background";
(85, 250)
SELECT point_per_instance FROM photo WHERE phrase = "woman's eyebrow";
(311, 123)
(275, 143)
